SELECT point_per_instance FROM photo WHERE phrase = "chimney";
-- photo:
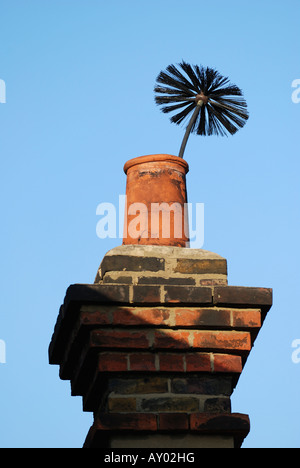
(162, 210)
(157, 344)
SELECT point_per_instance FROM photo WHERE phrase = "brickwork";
(133, 264)
(152, 358)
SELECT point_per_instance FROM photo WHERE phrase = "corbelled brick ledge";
(157, 363)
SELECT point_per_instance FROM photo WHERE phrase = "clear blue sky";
(79, 80)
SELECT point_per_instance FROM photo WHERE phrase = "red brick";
(176, 339)
(98, 316)
(171, 421)
(125, 316)
(119, 339)
(198, 362)
(146, 294)
(243, 296)
(112, 362)
(222, 423)
(222, 340)
(188, 294)
(171, 362)
(96, 294)
(227, 363)
(188, 317)
(128, 421)
(140, 316)
(142, 362)
(246, 318)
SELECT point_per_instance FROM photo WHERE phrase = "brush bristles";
(225, 111)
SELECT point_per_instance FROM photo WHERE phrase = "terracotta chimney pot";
(156, 211)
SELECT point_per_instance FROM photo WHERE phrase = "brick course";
(158, 344)
(169, 362)
(209, 423)
(195, 266)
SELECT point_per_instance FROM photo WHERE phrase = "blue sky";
(79, 78)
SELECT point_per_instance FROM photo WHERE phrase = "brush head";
(223, 107)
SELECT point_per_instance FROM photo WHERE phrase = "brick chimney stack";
(156, 346)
